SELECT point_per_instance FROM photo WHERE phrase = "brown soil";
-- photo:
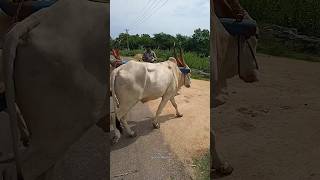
(188, 136)
(270, 129)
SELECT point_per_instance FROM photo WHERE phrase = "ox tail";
(115, 99)
(10, 46)
(112, 84)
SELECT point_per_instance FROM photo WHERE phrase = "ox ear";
(172, 59)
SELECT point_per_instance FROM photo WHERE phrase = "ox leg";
(155, 121)
(217, 165)
(117, 133)
(126, 126)
(174, 104)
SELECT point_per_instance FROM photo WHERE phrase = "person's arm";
(238, 11)
(154, 55)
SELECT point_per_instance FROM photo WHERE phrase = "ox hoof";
(133, 134)
(224, 170)
(115, 140)
(179, 115)
(156, 125)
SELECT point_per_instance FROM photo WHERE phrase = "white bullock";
(141, 81)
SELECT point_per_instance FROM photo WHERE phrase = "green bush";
(301, 14)
(193, 60)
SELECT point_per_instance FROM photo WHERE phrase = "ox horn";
(179, 61)
(181, 58)
(174, 50)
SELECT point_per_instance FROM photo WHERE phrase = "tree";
(120, 41)
(163, 41)
(134, 41)
(200, 42)
(146, 40)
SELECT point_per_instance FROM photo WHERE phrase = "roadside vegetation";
(303, 16)
(195, 47)
(202, 165)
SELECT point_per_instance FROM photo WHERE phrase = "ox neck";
(181, 81)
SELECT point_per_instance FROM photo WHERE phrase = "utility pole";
(127, 31)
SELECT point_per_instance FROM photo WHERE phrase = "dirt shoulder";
(188, 136)
(270, 129)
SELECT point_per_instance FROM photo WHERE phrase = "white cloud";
(176, 16)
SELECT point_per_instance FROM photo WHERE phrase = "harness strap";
(254, 57)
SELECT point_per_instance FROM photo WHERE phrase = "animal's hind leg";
(117, 133)
(174, 104)
(155, 122)
(126, 126)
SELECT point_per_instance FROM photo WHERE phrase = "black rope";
(254, 57)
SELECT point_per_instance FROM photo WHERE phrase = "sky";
(155, 16)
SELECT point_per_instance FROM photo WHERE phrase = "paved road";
(147, 156)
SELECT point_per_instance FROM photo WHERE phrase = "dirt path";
(270, 129)
(165, 153)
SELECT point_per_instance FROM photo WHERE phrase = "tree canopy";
(198, 42)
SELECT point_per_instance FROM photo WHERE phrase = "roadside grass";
(200, 65)
(202, 166)
(277, 48)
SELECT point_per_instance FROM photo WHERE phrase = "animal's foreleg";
(126, 126)
(216, 161)
(174, 104)
(217, 164)
(155, 122)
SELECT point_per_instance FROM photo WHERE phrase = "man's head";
(148, 48)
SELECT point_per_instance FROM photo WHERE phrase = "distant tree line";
(198, 42)
(300, 14)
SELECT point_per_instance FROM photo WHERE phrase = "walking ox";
(136, 82)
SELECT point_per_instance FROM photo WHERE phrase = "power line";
(152, 13)
(150, 10)
(145, 14)
(144, 10)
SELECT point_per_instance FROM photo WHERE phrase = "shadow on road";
(142, 128)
